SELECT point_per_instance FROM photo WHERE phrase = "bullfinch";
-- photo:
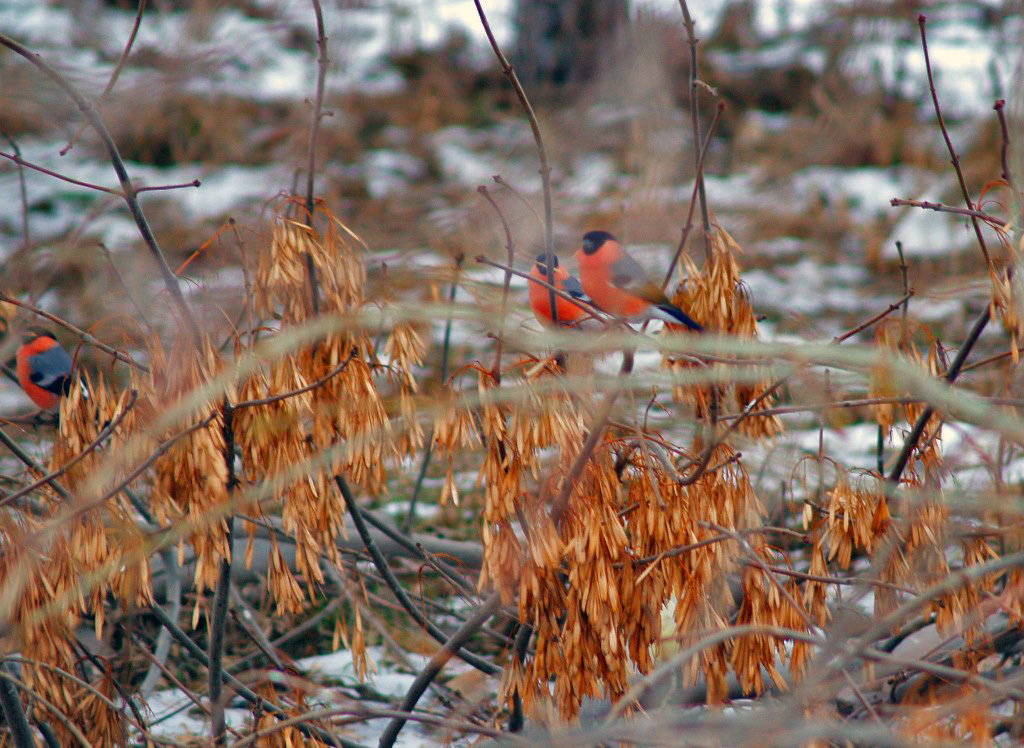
(619, 286)
(44, 368)
(540, 296)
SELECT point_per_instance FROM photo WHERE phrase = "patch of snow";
(855, 444)
(965, 58)
(389, 171)
(394, 685)
(865, 192)
(590, 176)
(807, 287)
(787, 52)
(228, 188)
(782, 246)
(424, 510)
(189, 722)
(731, 192)
(773, 122)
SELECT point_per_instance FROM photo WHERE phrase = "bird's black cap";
(542, 262)
(592, 241)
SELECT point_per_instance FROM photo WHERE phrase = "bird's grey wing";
(50, 369)
(627, 273)
(573, 287)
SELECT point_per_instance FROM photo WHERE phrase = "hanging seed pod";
(851, 519)
(715, 295)
(762, 605)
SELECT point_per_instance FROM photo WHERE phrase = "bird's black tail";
(675, 315)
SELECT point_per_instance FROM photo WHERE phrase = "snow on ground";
(177, 718)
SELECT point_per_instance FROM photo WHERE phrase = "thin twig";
(698, 183)
(61, 716)
(1004, 160)
(865, 402)
(299, 630)
(26, 237)
(955, 160)
(499, 180)
(85, 653)
(64, 178)
(127, 291)
(360, 713)
(428, 451)
(510, 248)
(86, 337)
(165, 187)
(314, 127)
(841, 580)
(437, 663)
(172, 594)
(114, 75)
(31, 464)
(692, 41)
(898, 202)
(905, 274)
(545, 170)
(589, 308)
(418, 550)
(880, 626)
(878, 317)
(161, 668)
(301, 390)
(991, 359)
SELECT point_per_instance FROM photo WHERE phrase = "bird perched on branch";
(540, 296)
(44, 368)
(619, 286)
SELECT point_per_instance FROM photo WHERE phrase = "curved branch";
(382, 566)
(14, 713)
(951, 374)
(437, 663)
(542, 154)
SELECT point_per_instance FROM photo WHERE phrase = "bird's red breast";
(540, 299)
(43, 398)
(596, 275)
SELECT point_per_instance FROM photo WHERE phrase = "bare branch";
(128, 191)
(955, 159)
(437, 663)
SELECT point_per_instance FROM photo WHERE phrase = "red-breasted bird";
(540, 296)
(44, 368)
(619, 286)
